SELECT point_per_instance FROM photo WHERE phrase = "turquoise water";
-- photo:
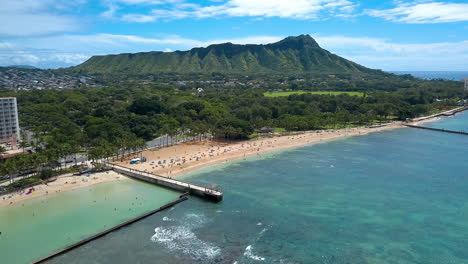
(393, 197)
(36, 228)
(458, 122)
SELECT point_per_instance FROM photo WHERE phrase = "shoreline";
(63, 183)
(202, 154)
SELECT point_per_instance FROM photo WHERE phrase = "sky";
(382, 34)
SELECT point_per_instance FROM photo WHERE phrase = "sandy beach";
(62, 184)
(183, 158)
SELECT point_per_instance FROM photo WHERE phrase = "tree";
(9, 167)
(2, 150)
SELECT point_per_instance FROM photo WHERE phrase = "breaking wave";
(248, 253)
(181, 238)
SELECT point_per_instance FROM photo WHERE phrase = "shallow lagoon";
(35, 228)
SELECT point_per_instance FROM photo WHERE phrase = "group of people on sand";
(254, 147)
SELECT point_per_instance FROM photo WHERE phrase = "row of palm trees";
(48, 158)
(34, 162)
(122, 146)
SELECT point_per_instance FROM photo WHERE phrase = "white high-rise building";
(466, 84)
(9, 125)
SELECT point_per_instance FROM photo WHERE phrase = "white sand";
(62, 184)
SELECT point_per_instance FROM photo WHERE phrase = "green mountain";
(299, 54)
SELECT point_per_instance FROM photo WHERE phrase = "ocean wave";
(183, 239)
(248, 253)
(262, 232)
(194, 220)
(166, 219)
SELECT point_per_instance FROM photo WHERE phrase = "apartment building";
(9, 125)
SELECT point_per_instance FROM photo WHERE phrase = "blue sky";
(383, 34)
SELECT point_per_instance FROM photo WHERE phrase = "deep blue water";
(449, 75)
(398, 196)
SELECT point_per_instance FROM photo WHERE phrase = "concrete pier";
(438, 129)
(446, 113)
(200, 191)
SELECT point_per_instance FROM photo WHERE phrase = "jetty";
(438, 129)
(182, 198)
(446, 113)
(184, 187)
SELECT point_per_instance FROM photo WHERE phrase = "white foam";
(194, 220)
(259, 223)
(182, 239)
(248, 253)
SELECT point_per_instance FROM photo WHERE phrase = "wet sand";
(62, 184)
(180, 159)
(183, 158)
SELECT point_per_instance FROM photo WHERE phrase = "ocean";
(448, 75)
(397, 196)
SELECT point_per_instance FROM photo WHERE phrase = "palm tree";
(2, 150)
(9, 167)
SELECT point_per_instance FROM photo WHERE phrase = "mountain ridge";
(301, 54)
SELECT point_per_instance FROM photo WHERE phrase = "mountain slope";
(299, 54)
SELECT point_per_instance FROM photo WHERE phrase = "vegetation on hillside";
(292, 55)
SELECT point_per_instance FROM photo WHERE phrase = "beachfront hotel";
(9, 125)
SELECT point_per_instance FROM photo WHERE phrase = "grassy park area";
(282, 94)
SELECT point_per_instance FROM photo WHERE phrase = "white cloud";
(297, 9)
(139, 18)
(423, 13)
(147, 2)
(41, 59)
(34, 24)
(388, 55)
(34, 17)
(246, 40)
(110, 12)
